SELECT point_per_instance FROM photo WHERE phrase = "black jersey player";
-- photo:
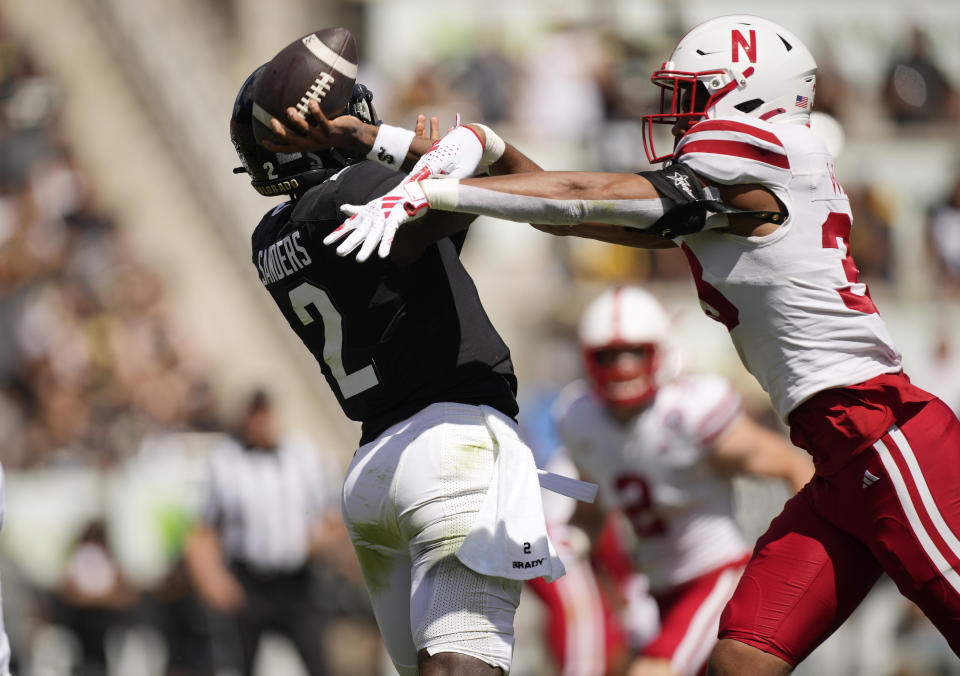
(388, 343)
(409, 351)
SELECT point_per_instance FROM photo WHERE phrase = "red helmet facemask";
(624, 376)
(678, 107)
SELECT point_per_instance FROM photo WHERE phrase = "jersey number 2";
(351, 384)
(637, 500)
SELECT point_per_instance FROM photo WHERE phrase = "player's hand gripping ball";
(321, 66)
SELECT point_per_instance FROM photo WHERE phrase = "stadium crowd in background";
(92, 364)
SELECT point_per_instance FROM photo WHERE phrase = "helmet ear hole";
(361, 105)
(701, 97)
(749, 106)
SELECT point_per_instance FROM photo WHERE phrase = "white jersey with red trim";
(656, 469)
(798, 315)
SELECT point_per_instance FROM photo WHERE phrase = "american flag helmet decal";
(801, 102)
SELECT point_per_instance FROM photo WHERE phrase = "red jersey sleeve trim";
(739, 127)
(736, 149)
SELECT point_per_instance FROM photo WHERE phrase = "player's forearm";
(419, 146)
(552, 198)
(800, 471)
(750, 448)
(569, 185)
(513, 162)
(203, 555)
(614, 234)
(775, 457)
(781, 461)
(327, 533)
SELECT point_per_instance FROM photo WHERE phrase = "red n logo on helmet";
(750, 48)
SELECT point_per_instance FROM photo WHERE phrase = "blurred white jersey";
(656, 469)
(792, 301)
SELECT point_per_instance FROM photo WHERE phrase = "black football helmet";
(361, 105)
(289, 173)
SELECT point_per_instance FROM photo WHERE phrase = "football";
(320, 66)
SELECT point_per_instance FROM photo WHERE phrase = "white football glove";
(376, 222)
(374, 225)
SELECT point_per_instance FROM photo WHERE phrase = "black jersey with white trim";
(390, 340)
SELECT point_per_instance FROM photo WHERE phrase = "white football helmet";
(730, 66)
(625, 341)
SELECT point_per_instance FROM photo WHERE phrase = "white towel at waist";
(509, 536)
(582, 491)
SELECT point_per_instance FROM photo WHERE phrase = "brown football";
(321, 66)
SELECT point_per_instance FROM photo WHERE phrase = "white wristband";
(391, 146)
(493, 148)
(442, 194)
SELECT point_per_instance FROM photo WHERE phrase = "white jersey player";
(663, 447)
(752, 198)
(599, 613)
(849, 342)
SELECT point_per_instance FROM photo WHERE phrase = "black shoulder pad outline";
(681, 185)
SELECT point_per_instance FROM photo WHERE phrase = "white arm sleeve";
(446, 194)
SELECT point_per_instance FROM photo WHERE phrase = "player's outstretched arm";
(347, 132)
(395, 147)
(619, 208)
(610, 207)
(749, 448)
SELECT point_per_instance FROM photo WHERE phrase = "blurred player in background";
(600, 613)
(664, 448)
(751, 197)
(441, 500)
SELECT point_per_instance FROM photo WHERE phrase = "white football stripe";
(695, 646)
(913, 517)
(328, 56)
(583, 621)
(263, 117)
(928, 503)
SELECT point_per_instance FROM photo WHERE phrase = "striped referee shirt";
(263, 502)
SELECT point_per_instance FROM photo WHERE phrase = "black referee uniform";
(263, 503)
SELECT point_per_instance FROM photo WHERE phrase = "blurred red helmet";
(624, 335)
